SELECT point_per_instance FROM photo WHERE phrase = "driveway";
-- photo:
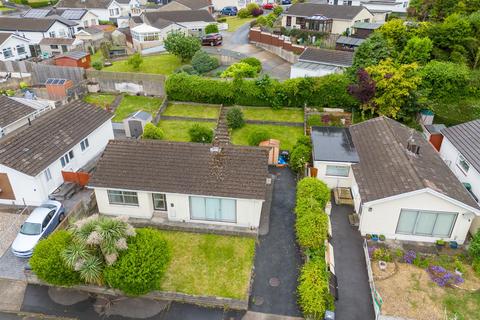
(355, 302)
(277, 257)
(11, 267)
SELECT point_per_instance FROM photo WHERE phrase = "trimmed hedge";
(312, 188)
(47, 261)
(140, 269)
(312, 228)
(328, 91)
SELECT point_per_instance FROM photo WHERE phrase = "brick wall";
(269, 39)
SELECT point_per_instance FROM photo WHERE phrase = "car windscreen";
(49, 206)
(31, 229)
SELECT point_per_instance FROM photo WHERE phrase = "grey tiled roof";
(11, 111)
(25, 24)
(195, 4)
(327, 10)
(33, 148)
(466, 138)
(185, 168)
(350, 41)
(77, 55)
(327, 56)
(179, 16)
(386, 168)
(89, 4)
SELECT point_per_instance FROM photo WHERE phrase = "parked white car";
(40, 223)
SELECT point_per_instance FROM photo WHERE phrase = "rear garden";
(159, 64)
(109, 252)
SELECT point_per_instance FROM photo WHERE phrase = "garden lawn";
(131, 104)
(269, 114)
(4, 9)
(234, 22)
(176, 130)
(99, 99)
(287, 135)
(209, 265)
(160, 64)
(192, 111)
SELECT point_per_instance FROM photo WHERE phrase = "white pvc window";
(213, 209)
(7, 53)
(84, 144)
(127, 198)
(426, 223)
(463, 164)
(48, 174)
(21, 49)
(159, 201)
(337, 171)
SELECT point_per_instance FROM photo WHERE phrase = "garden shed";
(135, 123)
(78, 59)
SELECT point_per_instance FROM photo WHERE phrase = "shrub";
(140, 268)
(151, 131)
(135, 61)
(312, 229)
(443, 277)
(305, 141)
(409, 256)
(313, 290)
(97, 65)
(443, 79)
(187, 68)
(222, 20)
(254, 62)
(211, 28)
(382, 254)
(474, 248)
(299, 157)
(23, 85)
(202, 62)
(252, 6)
(312, 188)
(47, 260)
(181, 45)
(257, 136)
(199, 133)
(244, 13)
(235, 118)
(39, 4)
(240, 70)
(476, 266)
(278, 10)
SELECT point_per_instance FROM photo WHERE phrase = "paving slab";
(11, 294)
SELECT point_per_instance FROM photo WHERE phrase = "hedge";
(312, 188)
(312, 229)
(328, 91)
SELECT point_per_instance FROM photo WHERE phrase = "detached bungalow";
(400, 186)
(177, 5)
(14, 47)
(320, 62)
(82, 17)
(325, 18)
(183, 182)
(65, 139)
(106, 10)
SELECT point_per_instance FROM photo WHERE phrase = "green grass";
(99, 99)
(209, 265)
(287, 135)
(4, 9)
(235, 22)
(192, 110)
(159, 64)
(269, 114)
(131, 104)
(178, 130)
(466, 306)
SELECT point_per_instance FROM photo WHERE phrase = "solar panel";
(49, 81)
(72, 14)
(37, 13)
(62, 81)
(55, 81)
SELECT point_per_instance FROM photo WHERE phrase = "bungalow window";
(7, 53)
(126, 198)
(48, 174)
(426, 223)
(53, 46)
(289, 21)
(114, 12)
(300, 21)
(21, 49)
(337, 171)
(52, 34)
(65, 160)
(70, 154)
(463, 164)
(84, 144)
(159, 201)
(213, 209)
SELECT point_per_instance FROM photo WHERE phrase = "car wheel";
(61, 217)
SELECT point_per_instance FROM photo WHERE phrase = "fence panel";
(376, 298)
(150, 84)
(41, 72)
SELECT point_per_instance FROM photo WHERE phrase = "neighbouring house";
(433, 134)
(55, 46)
(105, 10)
(63, 140)
(14, 47)
(220, 4)
(380, 6)
(179, 5)
(401, 187)
(80, 59)
(157, 24)
(348, 43)
(363, 30)
(324, 18)
(315, 62)
(91, 37)
(17, 112)
(83, 17)
(460, 149)
(182, 182)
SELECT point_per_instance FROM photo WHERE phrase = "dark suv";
(229, 11)
(212, 39)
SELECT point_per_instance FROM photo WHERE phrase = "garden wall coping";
(208, 301)
(188, 118)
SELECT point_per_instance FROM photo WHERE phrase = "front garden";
(109, 252)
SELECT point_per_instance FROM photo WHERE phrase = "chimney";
(215, 150)
(412, 147)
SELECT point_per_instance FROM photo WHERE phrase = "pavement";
(11, 294)
(277, 258)
(355, 302)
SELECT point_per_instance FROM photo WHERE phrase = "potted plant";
(454, 244)
(375, 237)
(382, 237)
(440, 243)
(368, 236)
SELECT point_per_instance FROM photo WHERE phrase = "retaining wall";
(149, 84)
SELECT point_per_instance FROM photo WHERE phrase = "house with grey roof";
(190, 183)
(317, 62)
(180, 5)
(14, 47)
(401, 187)
(35, 157)
(348, 43)
(324, 18)
(106, 10)
(18, 112)
(460, 149)
(83, 17)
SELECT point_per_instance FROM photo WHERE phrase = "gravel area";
(9, 225)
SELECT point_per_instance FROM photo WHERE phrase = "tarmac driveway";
(277, 257)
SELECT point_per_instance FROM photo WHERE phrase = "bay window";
(126, 198)
(426, 223)
(213, 209)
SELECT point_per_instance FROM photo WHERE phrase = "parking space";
(11, 267)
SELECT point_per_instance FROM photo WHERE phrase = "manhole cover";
(258, 301)
(274, 282)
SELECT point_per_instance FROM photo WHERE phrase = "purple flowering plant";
(409, 256)
(442, 277)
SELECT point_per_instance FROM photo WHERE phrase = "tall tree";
(181, 45)
(363, 90)
(417, 50)
(375, 49)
